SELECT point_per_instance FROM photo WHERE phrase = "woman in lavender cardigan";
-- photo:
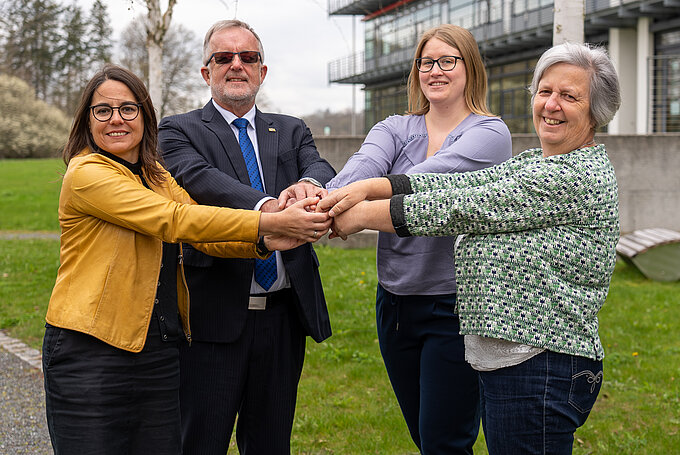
(448, 130)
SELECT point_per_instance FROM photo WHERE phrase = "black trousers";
(101, 400)
(255, 377)
(424, 354)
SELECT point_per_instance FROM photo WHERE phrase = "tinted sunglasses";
(222, 58)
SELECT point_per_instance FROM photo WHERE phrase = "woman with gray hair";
(536, 260)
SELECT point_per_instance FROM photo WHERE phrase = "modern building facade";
(642, 37)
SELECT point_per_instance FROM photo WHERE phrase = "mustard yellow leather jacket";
(112, 234)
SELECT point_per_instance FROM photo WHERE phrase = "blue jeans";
(424, 355)
(535, 407)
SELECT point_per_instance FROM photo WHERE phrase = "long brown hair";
(475, 73)
(80, 137)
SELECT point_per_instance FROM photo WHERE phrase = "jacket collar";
(267, 140)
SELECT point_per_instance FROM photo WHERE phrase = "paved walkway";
(22, 235)
(23, 428)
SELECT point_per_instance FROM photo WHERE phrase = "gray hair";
(221, 25)
(605, 92)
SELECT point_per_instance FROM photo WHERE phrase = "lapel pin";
(272, 130)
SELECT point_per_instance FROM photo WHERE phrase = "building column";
(622, 45)
(645, 50)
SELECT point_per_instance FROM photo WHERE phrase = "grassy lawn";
(29, 191)
(345, 402)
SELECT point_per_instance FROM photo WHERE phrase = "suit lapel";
(267, 143)
(214, 121)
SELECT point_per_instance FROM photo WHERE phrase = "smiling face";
(443, 89)
(117, 136)
(234, 85)
(561, 109)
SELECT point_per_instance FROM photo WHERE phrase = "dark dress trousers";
(203, 154)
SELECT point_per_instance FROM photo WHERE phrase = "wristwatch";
(261, 248)
(311, 180)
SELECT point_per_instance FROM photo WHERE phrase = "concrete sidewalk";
(23, 428)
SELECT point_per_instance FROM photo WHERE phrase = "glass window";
(519, 6)
(380, 103)
(495, 10)
(508, 94)
(669, 38)
(462, 16)
(665, 81)
(369, 49)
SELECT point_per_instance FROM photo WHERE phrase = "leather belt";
(264, 301)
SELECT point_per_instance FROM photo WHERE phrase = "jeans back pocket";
(586, 381)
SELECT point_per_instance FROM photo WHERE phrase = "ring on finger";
(315, 234)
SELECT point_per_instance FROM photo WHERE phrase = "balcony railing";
(357, 7)
(524, 31)
(664, 94)
(346, 68)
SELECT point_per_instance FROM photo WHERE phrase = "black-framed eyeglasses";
(127, 111)
(222, 58)
(446, 63)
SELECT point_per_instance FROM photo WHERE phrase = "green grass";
(638, 409)
(29, 194)
(345, 402)
(28, 269)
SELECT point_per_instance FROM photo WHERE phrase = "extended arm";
(342, 199)
(297, 221)
(373, 159)
(544, 193)
(100, 190)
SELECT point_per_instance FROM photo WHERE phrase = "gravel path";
(23, 428)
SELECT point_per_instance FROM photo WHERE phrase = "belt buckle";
(257, 303)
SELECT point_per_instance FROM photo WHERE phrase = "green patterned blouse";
(540, 248)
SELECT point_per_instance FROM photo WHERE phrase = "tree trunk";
(568, 21)
(156, 75)
(157, 26)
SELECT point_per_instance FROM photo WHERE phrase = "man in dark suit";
(249, 336)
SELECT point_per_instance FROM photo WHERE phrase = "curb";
(29, 355)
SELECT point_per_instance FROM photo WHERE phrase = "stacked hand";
(354, 207)
(293, 219)
(299, 191)
(305, 212)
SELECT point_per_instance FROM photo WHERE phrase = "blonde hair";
(475, 73)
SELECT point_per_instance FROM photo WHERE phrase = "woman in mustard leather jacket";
(120, 302)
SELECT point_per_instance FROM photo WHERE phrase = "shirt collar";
(135, 168)
(230, 117)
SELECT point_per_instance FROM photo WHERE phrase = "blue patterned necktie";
(265, 270)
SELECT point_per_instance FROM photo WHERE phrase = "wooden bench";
(655, 252)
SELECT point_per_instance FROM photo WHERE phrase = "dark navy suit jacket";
(203, 154)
